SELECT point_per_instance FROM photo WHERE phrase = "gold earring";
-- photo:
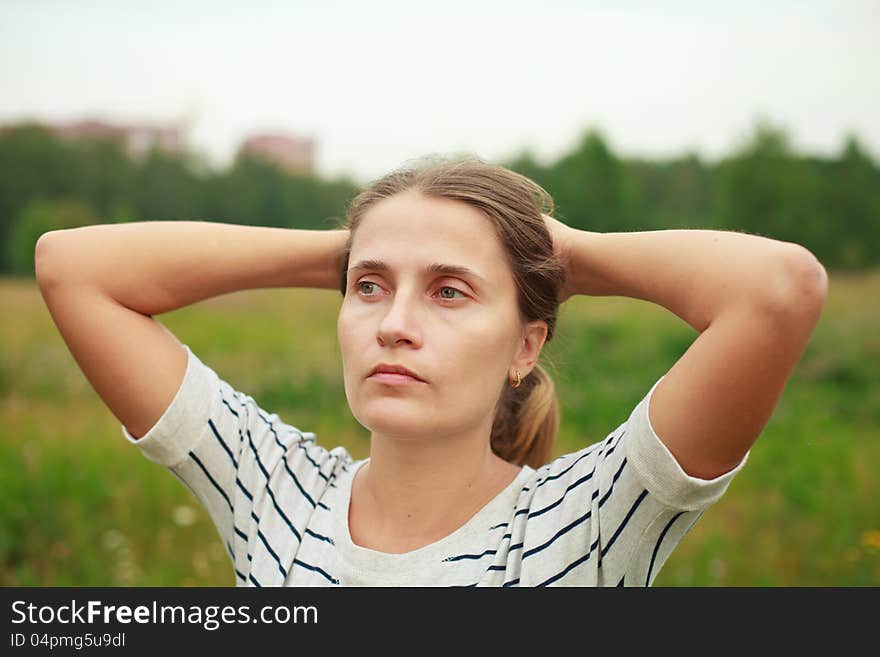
(518, 380)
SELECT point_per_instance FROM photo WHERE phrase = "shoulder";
(631, 457)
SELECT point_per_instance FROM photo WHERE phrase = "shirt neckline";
(377, 564)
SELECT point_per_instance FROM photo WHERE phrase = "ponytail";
(526, 420)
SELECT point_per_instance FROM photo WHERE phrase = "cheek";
(345, 336)
(348, 323)
(482, 354)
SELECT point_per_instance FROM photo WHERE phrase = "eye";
(446, 287)
(359, 286)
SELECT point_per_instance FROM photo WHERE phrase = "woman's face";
(458, 331)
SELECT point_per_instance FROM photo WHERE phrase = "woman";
(451, 279)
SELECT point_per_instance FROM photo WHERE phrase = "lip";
(393, 378)
(387, 373)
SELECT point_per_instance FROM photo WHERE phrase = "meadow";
(83, 507)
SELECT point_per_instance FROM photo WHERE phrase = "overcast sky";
(379, 82)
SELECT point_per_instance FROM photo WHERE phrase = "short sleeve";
(185, 421)
(611, 513)
(661, 474)
(257, 476)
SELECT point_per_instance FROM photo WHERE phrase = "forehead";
(410, 229)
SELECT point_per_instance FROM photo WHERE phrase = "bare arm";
(157, 266)
(102, 285)
(755, 302)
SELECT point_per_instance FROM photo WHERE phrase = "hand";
(561, 235)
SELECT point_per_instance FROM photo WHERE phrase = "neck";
(417, 491)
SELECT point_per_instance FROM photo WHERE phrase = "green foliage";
(592, 189)
(35, 166)
(852, 205)
(40, 216)
(674, 194)
(829, 205)
(163, 188)
(764, 190)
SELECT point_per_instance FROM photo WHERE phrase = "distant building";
(292, 154)
(137, 138)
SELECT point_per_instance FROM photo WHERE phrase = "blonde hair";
(526, 418)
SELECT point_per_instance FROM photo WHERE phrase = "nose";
(400, 323)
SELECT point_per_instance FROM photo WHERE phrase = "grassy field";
(82, 507)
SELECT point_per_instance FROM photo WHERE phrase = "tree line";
(830, 205)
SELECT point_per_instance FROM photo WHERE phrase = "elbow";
(799, 286)
(46, 258)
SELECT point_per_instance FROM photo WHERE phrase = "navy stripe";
(298, 444)
(240, 533)
(321, 505)
(571, 487)
(514, 547)
(578, 521)
(257, 456)
(269, 489)
(251, 577)
(283, 456)
(266, 474)
(470, 556)
(239, 575)
(271, 551)
(319, 537)
(513, 582)
(562, 531)
(503, 524)
(595, 543)
(243, 489)
(317, 570)
(620, 583)
(222, 442)
(657, 547)
(614, 446)
(208, 475)
(256, 519)
(317, 467)
(287, 465)
(623, 524)
(231, 457)
(312, 461)
(227, 404)
(477, 556)
(570, 566)
(296, 481)
(574, 463)
(613, 481)
(277, 440)
(556, 476)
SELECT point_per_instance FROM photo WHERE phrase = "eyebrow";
(433, 268)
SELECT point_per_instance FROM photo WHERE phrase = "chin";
(392, 417)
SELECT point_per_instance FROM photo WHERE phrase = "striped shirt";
(607, 515)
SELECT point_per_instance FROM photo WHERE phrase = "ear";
(533, 338)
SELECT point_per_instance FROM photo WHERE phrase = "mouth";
(393, 378)
(394, 374)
